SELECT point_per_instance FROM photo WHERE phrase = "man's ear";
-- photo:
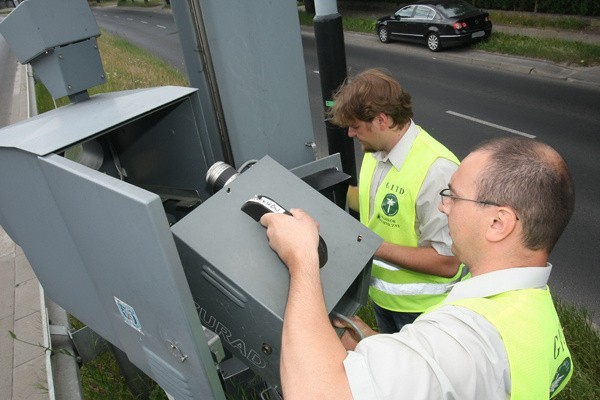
(382, 121)
(502, 225)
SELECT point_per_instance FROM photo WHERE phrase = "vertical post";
(331, 54)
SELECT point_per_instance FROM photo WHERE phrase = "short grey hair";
(531, 177)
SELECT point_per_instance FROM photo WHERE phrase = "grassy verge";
(530, 20)
(555, 50)
(128, 67)
(584, 343)
(140, 3)
(128, 3)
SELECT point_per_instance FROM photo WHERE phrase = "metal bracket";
(88, 343)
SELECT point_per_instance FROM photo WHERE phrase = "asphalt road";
(461, 105)
(448, 96)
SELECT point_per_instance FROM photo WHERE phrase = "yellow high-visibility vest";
(394, 215)
(540, 361)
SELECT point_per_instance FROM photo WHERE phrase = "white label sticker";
(129, 316)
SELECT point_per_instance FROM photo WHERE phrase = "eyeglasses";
(446, 195)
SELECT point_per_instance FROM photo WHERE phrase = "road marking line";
(316, 72)
(162, 27)
(144, 22)
(480, 121)
(129, 19)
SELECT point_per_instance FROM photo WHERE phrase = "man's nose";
(442, 208)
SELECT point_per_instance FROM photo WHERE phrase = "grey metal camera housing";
(64, 55)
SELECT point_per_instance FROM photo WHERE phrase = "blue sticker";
(129, 316)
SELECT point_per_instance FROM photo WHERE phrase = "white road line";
(480, 121)
(129, 19)
(316, 72)
(162, 27)
(144, 22)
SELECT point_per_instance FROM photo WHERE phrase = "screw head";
(267, 349)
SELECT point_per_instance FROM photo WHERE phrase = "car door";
(399, 26)
(419, 25)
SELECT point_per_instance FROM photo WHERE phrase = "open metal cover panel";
(100, 245)
(240, 285)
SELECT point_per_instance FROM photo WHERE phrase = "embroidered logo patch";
(389, 206)
(561, 374)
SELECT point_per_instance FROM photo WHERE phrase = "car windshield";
(455, 8)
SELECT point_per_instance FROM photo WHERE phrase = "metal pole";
(331, 54)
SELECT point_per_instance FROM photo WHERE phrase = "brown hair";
(371, 92)
(534, 179)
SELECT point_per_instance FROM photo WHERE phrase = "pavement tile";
(23, 269)
(27, 298)
(6, 357)
(30, 381)
(7, 286)
(7, 246)
(28, 331)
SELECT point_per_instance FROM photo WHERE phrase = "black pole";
(329, 38)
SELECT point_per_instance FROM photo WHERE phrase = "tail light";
(460, 25)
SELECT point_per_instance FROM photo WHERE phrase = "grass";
(140, 3)
(555, 50)
(584, 343)
(128, 3)
(539, 21)
(101, 379)
(128, 67)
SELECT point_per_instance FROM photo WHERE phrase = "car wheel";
(384, 35)
(433, 42)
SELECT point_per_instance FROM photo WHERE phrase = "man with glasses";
(496, 335)
(402, 172)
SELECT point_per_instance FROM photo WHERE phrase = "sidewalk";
(23, 372)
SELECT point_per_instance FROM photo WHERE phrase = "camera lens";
(219, 175)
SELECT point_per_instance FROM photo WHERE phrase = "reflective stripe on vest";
(539, 359)
(393, 218)
(411, 289)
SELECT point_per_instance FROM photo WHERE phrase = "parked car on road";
(437, 24)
